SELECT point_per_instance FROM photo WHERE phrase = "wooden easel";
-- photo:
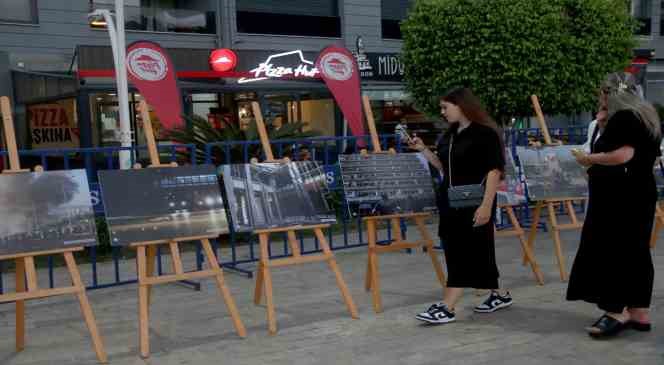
(264, 277)
(146, 254)
(551, 205)
(520, 233)
(25, 262)
(372, 280)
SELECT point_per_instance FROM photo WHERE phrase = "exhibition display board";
(266, 263)
(200, 215)
(60, 224)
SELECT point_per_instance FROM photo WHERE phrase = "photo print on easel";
(381, 184)
(552, 172)
(267, 195)
(45, 211)
(161, 203)
(511, 190)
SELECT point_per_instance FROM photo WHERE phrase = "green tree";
(507, 50)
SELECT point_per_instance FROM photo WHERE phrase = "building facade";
(56, 62)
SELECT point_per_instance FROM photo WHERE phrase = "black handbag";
(463, 196)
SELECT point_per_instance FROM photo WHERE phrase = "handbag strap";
(449, 161)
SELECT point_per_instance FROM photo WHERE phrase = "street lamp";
(100, 17)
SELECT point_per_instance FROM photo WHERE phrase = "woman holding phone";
(470, 153)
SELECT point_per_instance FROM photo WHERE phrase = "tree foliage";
(506, 50)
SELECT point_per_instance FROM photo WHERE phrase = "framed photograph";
(512, 189)
(153, 204)
(379, 184)
(268, 195)
(552, 172)
(45, 211)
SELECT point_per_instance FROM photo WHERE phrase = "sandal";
(608, 327)
(639, 326)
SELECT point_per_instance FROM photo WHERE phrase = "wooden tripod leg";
(527, 252)
(367, 277)
(88, 316)
(20, 304)
(264, 241)
(223, 289)
(258, 291)
(292, 242)
(397, 235)
(143, 303)
(374, 277)
(537, 213)
(332, 262)
(555, 232)
(150, 267)
(426, 236)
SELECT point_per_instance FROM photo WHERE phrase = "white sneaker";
(494, 302)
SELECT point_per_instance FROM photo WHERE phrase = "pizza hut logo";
(337, 66)
(147, 64)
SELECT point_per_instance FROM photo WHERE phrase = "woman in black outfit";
(613, 267)
(473, 148)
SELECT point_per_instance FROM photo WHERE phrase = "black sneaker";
(437, 314)
(494, 302)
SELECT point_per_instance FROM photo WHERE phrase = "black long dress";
(470, 254)
(613, 266)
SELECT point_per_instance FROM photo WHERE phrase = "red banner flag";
(339, 70)
(151, 70)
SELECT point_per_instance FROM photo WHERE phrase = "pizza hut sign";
(337, 66)
(147, 64)
(269, 70)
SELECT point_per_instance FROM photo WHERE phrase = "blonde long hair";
(623, 93)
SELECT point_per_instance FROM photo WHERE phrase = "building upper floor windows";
(313, 18)
(180, 16)
(642, 11)
(18, 11)
(393, 12)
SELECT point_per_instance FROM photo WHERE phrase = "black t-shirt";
(476, 151)
(625, 128)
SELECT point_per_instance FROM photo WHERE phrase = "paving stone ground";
(191, 327)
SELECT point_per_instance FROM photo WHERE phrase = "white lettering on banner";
(267, 70)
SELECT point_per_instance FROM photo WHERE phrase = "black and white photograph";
(659, 180)
(552, 172)
(268, 195)
(154, 204)
(378, 184)
(511, 190)
(45, 211)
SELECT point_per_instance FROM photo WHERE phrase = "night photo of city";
(162, 203)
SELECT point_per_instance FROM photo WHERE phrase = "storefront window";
(318, 116)
(204, 105)
(393, 108)
(392, 13)
(318, 18)
(54, 125)
(180, 16)
(24, 11)
(642, 11)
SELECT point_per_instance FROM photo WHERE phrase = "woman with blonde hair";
(613, 267)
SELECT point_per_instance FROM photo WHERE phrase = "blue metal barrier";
(324, 150)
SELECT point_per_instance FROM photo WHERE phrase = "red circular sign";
(223, 60)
